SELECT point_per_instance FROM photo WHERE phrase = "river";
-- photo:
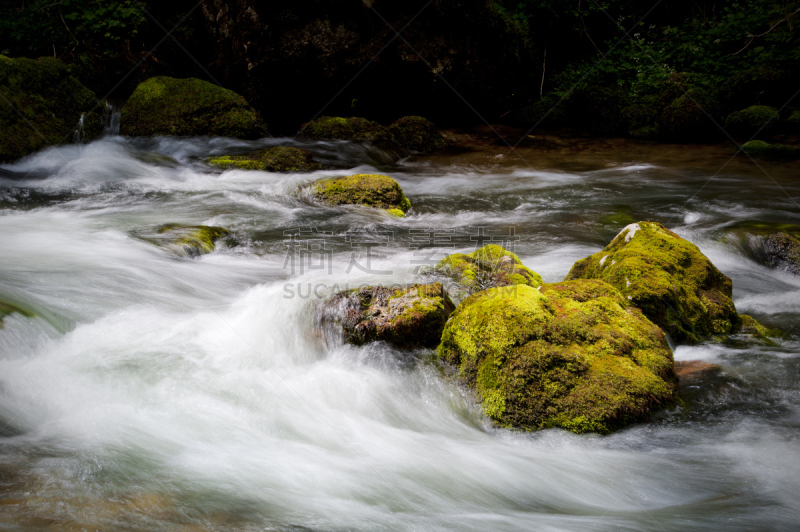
(151, 391)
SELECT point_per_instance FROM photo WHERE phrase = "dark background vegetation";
(457, 62)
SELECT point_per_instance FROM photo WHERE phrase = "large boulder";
(487, 267)
(185, 240)
(409, 316)
(41, 104)
(417, 134)
(189, 107)
(276, 159)
(338, 128)
(756, 119)
(667, 277)
(574, 355)
(371, 190)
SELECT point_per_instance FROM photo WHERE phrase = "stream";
(151, 391)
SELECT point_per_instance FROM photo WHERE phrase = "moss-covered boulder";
(759, 119)
(417, 134)
(409, 316)
(667, 277)
(188, 107)
(751, 327)
(277, 159)
(573, 355)
(185, 240)
(7, 308)
(372, 190)
(42, 105)
(688, 117)
(771, 152)
(487, 267)
(338, 128)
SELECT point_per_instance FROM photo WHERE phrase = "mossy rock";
(189, 107)
(409, 316)
(756, 119)
(9, 308)
(641, 120)
(687, 117)
(573, 355)
(667, 277)
(772, 245)
(750, 326)
(277, 159)
(156, 159)
(487, 267)
(372, 190)
(186, 240)
(338, 128)
(41, 105)
(417, 134)
(771, 152)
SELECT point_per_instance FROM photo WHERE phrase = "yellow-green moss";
(372, 190)
(189, 107)
(185, 240)
(770, 152)
(667, 277)
(276, 159)
(398, 213)
(417, 134)
(752, 327)
(338, 128)
(41, 105)
(572, 355)
(487, 267)
(756, 118)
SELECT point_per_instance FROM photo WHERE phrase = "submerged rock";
(9, 308)
(188, 107)
(668, 278)
(41, 105)
(338, 128)
(417, 134)
(186, 240)
(277, 159)
(372, 190)
(411, 316)
(487, 267)
(692, 369)
(574, 355)
(770, 152)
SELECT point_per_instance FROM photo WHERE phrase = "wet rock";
(417, 134)
(668, 278)
(751, 327)
(770, 244)
(277, 159)
(693, 369)
(411, 316)
(574, 355)
(371, 190)
(7, 308)
(771, 152)
(156, 159)
(756, 119)
(189, 107)
(487, 267)
(41, 105)
(186, 240)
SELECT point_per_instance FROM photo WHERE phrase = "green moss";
(185, 240)
(277, 159)
(417, 134)
(398, 213)
(372, 190)
(410, 316)
(771, 152)
(487, 267)
(573, 355)
(668, 278)
(188, 107)
(759, 119)
(338, 128)
(752, 327)
(9, 308)
(41, 105)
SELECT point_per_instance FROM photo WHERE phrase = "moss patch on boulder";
(189, 107)
(759, 119)
(574, 355)
(42, 105)
(410, 316)
(771, 152)
(185, 240)
(417, 134)
(487, 267)
(277, 159)
(338, 128)
(667, 277)
(372, 190)
(752, 327)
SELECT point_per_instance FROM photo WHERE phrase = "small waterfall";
(79, 134)
(111, 118)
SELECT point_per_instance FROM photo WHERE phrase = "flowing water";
(151, 391)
